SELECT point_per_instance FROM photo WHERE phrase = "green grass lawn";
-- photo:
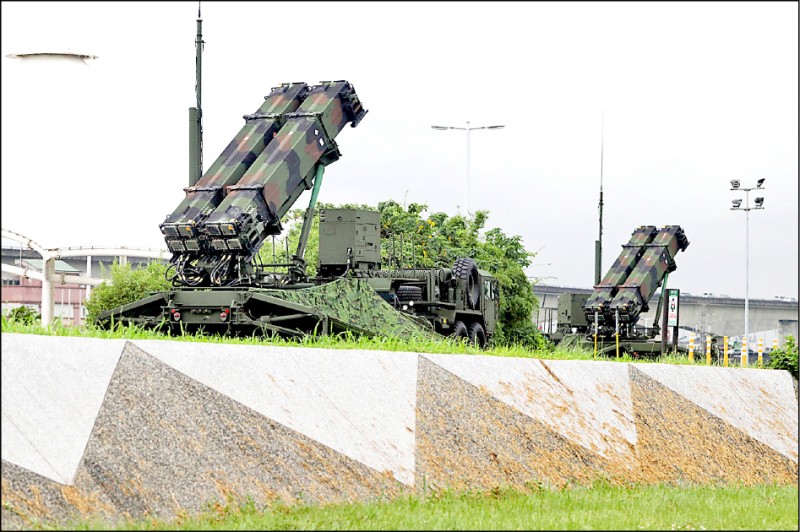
(601, 507)
(442, 345)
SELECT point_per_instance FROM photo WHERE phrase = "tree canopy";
(412, 237)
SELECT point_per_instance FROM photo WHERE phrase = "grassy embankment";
(601, 507)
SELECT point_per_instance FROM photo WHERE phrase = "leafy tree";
(128, 284)
(411, 237)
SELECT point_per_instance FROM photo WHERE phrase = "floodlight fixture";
(734, 184)
(736, 203)
(760, 182)
(759, 203)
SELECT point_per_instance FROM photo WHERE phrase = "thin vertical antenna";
(198, 88)
(599, 246)
(196, 113)
(602, 142)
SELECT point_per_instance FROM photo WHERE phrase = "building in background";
(70, 299)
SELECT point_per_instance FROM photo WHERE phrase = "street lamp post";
(737, 206)
(467, 129)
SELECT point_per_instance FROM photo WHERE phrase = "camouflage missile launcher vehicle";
(615, 305)
(215, 234)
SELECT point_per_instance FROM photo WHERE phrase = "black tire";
(467, 270)
(477, 336)
(460, 331)
(407, 292)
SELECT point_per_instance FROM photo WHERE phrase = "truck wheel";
(477, 336)
(459, 331)
(466, 269)
(406, 293)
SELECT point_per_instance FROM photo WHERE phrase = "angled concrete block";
(52, 389)
(30, 500)
(165, 443)
(680, 441)
(587, 402)
(755, 401)
(359, 403)
(468, 438)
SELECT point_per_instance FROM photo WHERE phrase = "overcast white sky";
(694, 95)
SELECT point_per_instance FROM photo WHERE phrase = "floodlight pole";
(467, 129)
(466, 201)
(747, 210)
(747, 267)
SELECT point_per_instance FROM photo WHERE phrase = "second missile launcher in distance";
(615, 305)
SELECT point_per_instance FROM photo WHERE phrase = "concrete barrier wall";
(94, 427)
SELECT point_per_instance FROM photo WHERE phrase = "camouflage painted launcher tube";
(253, 207)
(622, 267)
(180, 227)
(657, 261)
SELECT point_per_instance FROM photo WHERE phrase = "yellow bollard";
(691, 347)
(725, 351)
(708, 350)
(774, 343)
(595, 345)
(744, 352)
(760, 352)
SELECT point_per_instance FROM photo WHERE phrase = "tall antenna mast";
(598, 248)
(196, 113)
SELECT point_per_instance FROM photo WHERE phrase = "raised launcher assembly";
(281, 151)
(220, 286)
(634, 277)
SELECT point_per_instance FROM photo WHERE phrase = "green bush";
(127, 285)
(785, 357)
(23, 315)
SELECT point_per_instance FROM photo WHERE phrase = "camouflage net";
(354, 302)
